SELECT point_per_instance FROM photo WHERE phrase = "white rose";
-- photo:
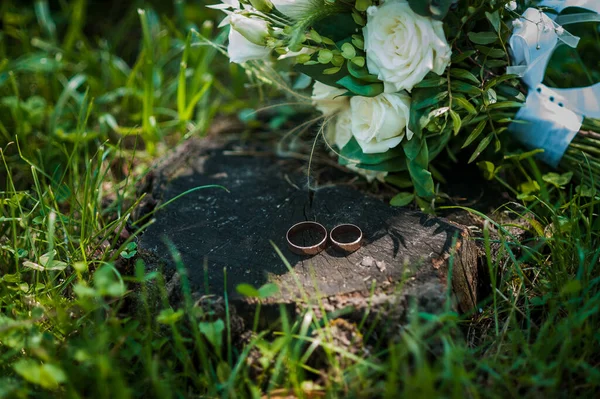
(339, 132)
(380, 123)
(402, 47)
(329, 99)
(244, 35)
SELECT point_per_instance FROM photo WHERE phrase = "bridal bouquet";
(399, 82)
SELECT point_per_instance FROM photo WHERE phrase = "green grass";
(79, 130)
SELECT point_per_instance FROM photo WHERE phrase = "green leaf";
(558, 180)
(529, 187)
(397, 164)
(488, 169)
(524, 155)
(362, 5)
(213, 331)
(338, 60)
(332, 71)
(496, 63)
(402, 199)
(422, 179)
(337, 27)
(482, 37)
(490, 97)
(47, 260)
(417, 167)
(325, 56)
(399, 180)
(268, 290)
(481, 147)
(466, 88)
(463, 74)
(130, 251)
(358, 42)
(358, 19)
(169, 316)
(465, 104)
(46, 375)
(499, 79)
(412, 148)
(429, 101)
(247, 290)
(348, 51)
(494, 19)
(460, 57)
(353, 153)
(314, 35)
(492, 52)
(456, 122)
(359, 87)
(432, 82)
(360, 61)
(361, 72)
(585, 191)
(505, 104)
(475, 133)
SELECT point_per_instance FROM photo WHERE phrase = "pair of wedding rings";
(310, 238)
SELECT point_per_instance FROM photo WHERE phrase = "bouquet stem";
(583, 155)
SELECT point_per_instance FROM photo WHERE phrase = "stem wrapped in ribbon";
(555, 117)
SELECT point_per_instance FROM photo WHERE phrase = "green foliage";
(54, 74)
(69, 324)
(393, 160)
(130, 251)
(541, 318)
(339, 60)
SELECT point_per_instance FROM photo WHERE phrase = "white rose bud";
(402, 47)
(380, 123)
(329, 99)
(254, 30)
(241, 50)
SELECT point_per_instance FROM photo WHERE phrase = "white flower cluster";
(401, 48)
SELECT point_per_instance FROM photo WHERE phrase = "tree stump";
(406, 256)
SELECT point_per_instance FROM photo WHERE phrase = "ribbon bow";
(554, 115)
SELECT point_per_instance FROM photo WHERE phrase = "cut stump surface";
(405, 254)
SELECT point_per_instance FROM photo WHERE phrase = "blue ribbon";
(552, 117)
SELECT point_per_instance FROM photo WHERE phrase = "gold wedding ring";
(346, 237)
(307, 238)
